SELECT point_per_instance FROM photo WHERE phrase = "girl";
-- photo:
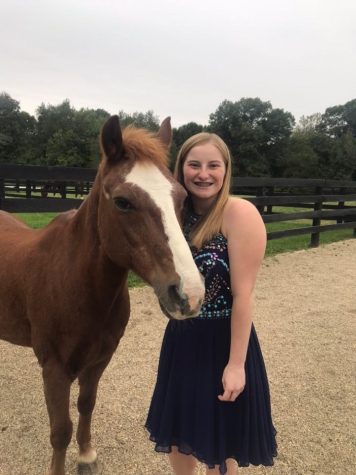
(211, 401)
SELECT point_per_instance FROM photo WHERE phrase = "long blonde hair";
(211, 222)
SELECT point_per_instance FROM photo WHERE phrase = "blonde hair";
(211, 222)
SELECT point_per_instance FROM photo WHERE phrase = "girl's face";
(204, 171)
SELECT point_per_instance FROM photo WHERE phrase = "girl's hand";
(233, 381)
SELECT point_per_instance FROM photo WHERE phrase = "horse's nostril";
(176, 296)
(173, 293)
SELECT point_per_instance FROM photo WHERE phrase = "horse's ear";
(165, 132)
(111, 139)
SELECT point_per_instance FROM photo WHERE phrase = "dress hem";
(166, 449)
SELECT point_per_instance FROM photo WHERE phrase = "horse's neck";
(85, 228)
(85, 221)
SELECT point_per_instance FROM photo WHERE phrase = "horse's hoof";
(90, 468)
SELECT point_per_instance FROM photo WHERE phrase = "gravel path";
(305, 317)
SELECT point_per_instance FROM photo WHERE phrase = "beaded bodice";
(212, 261)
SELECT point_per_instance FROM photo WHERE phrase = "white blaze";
(150, 179)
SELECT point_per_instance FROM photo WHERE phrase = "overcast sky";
(178, 57)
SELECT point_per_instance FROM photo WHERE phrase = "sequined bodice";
(213, 262)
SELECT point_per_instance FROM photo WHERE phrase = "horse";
(63, 288)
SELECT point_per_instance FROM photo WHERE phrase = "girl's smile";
(204, 171)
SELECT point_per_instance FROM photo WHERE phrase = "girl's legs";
(182, 464)
(231, 468)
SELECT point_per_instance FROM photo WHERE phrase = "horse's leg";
(57, 389)
(88, 386)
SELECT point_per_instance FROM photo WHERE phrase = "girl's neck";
(201, 207)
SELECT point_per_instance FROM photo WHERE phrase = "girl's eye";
(123, 204)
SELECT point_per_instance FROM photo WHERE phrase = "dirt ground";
(305, 317)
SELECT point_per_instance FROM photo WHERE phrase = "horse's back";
(8, 221)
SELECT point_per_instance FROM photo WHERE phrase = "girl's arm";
(246, 237)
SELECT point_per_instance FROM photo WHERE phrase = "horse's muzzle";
(178, 304)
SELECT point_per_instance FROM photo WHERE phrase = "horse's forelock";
(144, 146)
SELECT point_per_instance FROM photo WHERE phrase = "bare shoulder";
(241, 217)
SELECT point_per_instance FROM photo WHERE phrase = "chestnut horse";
(63, 289)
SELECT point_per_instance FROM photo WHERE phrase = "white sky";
(178, 58)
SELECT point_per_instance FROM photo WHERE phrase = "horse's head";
(139, 210)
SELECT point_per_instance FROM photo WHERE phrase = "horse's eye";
(123, 204)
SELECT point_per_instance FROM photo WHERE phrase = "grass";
(296, 243)
(36, 220)
(275, 246)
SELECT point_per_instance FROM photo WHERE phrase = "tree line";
(264, 141)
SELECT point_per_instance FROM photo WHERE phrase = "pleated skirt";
(185, 410)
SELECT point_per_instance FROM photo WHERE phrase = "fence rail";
(329, 200)
(328, 204)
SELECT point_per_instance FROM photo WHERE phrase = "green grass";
(36, 220)
(275, 246)
(296, 243)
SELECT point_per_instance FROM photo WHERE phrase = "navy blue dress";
(185, 410)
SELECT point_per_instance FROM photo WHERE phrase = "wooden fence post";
(340, 205)
(261, 191)
(270, 193)
(315, 237)
(28, 189)
(2, 191)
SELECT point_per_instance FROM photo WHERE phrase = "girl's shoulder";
(240, 216)
(239, 205)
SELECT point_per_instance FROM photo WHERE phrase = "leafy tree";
(146, 120)
(310, 123)
(302, 161)
(180, 135)
(256, 134)
(338, 120)
(52, 120)
(88, 125)
(68, 137)
(343, 160)
(17, 131)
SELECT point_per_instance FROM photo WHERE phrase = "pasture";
(305, 317)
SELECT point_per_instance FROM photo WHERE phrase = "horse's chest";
(91, 350)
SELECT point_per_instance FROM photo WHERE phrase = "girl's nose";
(203, 173)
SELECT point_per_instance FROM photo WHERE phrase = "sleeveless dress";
(185, 410)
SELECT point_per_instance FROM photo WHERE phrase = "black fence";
(327, 204)
(43, 189)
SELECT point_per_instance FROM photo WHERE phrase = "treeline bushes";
(264, 141)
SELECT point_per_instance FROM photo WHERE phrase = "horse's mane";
(144, 145)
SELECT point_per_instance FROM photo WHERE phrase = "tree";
(338, 120)
(256, 134)
(17, 131)
(51, 120)
(146, 120)
(301, 161)
(310, 123)
(180, 135)
(68, 137)
(88, 125)
(343, 161)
